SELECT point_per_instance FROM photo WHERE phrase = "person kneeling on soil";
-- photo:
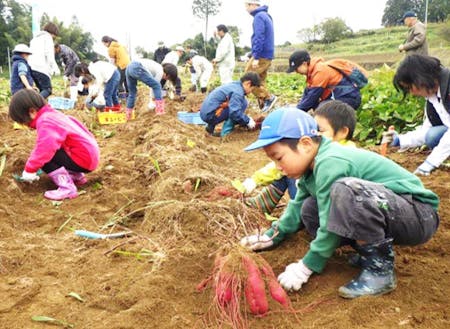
(65, 149)
(345, 195)
(227, 104)
(336, 120)
(424, 76)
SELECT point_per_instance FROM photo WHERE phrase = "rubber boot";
(266, 200)
(78, 178)
(73, 93)
(227, 128)
(129, 114)
(377, 276)
(116, 107)
(159, 109)
(66, 187)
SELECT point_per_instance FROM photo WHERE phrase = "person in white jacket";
(203, 69)
(106, 77)
(425, 76)
(42, 61)
(225, 58)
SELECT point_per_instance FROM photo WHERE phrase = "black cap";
(409, 13)
(297, 58)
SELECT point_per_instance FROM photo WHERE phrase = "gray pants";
(367, 211)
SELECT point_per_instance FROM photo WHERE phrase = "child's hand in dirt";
(294, 276)
(29, 177)
(257, 242)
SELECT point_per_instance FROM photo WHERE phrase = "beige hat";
(22, 48)
(180, 48)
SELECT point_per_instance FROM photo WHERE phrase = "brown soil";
(177, 199)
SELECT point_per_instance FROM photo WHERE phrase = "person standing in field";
(416, 39)
(225, 58)
(70, 59)
(119, 57)
(42, 61)
(160, 52)
(263, 51)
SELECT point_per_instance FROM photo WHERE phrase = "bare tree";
(203, 9)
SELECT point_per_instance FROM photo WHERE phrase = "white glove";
(151, 105)
(294, 276)
(29, 177)
(424, 169)
(251, 123)
(388, 137)
(65, 78)
(249, 185)
(257, 242)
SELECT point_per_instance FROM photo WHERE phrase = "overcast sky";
(145, 23)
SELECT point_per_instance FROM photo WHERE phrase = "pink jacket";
(55, 130)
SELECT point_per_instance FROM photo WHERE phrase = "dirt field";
(164, 180)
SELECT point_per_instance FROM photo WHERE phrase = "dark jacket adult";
(263, 42)
(324, 82)
(160, 53)
(16, 83)
(69, 58)
(444, 86)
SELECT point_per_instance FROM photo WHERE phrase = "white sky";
(147, 22)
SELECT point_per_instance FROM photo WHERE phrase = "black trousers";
(62, 159)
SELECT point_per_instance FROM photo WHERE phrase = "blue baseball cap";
(409, 13)
(284, 122)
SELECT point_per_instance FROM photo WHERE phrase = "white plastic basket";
(61, 103)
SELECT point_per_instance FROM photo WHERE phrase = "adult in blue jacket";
(263, 49)
(228, 103)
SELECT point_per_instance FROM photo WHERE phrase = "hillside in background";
(370, 48)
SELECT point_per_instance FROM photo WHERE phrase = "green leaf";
(76, 296)
(43, 318)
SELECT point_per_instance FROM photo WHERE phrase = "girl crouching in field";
(64, 149)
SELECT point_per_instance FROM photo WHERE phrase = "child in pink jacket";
(64, 149)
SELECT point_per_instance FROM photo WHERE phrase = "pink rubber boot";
(129, 114)
(78, 177)
(66, 187)
(159, 106)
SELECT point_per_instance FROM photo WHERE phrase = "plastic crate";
(190, 118)
(61, 103)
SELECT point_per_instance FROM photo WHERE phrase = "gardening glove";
(65, 78)
(390, 137)
(294, 276)
(251, 123)
(257, 242)
(29, 177)
(249, 185)
(424, 169)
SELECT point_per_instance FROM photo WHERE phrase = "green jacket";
(333, 162)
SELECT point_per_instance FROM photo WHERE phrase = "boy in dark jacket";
(21, 71)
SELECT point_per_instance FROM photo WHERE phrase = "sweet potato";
(276, 290)
(255, 293)
(223, 289)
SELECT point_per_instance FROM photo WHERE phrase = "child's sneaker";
(269, 104)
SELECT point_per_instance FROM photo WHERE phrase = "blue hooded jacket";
(263, 43)
(237, 103)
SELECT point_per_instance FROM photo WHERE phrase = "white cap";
(256, 2)
(180, 48)
(22, 48)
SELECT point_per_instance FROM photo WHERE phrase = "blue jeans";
(111, 89)
(434, 135)
(43, 83)
(286, 183)
(136, 72)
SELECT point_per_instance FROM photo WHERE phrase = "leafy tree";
(334, 29)
(203, 9)
(309, 34)
(394, 10)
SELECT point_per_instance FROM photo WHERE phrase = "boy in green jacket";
(345, 196)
